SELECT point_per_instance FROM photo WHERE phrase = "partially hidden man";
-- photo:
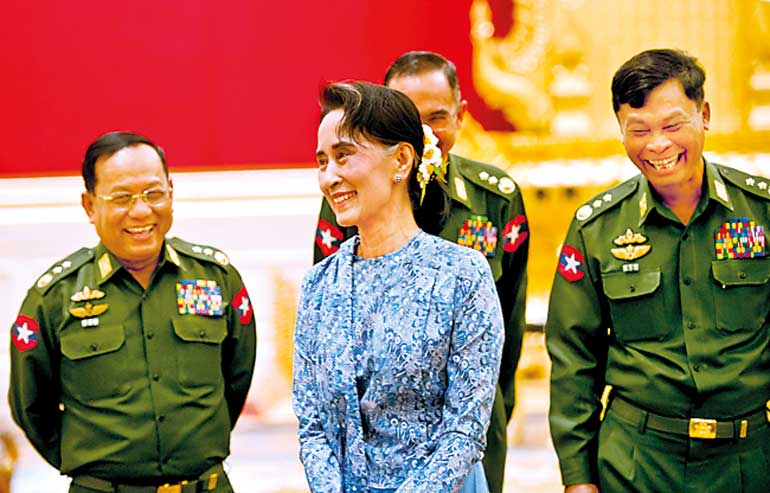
(486, 214)
(662, 294)
(131, 360)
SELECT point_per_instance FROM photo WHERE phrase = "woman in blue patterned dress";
(399, 333)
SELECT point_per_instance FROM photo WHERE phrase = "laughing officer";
(131, 360)
(662, 293)
(486, 213)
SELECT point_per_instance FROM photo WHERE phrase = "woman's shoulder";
(447, 256)
(329, 265)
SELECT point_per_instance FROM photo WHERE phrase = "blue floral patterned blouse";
(395, 364)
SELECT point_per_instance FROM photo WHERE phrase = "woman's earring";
(398, 178)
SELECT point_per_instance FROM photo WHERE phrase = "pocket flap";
(92, 342)
(755, 271)
(197, 328)
(623, 285)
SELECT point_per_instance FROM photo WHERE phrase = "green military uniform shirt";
(118, 382)
(487, 214)
(674, 317)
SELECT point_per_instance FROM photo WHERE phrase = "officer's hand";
(581, 488)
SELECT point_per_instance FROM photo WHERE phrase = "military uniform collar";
(715, 190)
(456, 183)
(107, 264)
(716, 186)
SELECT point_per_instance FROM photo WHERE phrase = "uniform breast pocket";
(199, 356)
(742, 299)
(637, 305)
(95, 363)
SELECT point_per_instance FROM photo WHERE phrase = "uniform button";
(690, 325)
(742, 275)
(150, 335)
(202, 333)
(632, 288)
(696, 367)
(687, 281)
(685, 236)
(161, 418)
(156, 377)
(94, 347)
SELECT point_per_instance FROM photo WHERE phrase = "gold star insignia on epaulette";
(221, 258)
(88, 310)
(44, 280)
(762, 185)
(506, 185)
(87, 294)
(584, 212)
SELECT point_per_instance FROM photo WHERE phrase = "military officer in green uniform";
(131, 360)
(662, 295)
(486, 213)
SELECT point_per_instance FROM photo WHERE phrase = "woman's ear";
(405, 157)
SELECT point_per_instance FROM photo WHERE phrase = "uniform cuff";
(578, 470)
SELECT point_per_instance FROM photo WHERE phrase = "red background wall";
(217, 84)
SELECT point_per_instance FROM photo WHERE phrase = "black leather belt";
(206, 482)
(703, 428)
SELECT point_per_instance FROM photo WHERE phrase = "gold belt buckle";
(703, 428)
(169, 488)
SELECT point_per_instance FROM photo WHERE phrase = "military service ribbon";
(199, 297)
(478, 233)
(739, 238)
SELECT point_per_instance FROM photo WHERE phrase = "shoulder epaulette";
(750, 183)
(606, 200)
(487, 176)
(63, 268)
(200, 252)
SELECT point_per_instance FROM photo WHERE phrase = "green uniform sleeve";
(327, 217)
(240, 347)
(34, 387)
(512, 290)
(576, 339)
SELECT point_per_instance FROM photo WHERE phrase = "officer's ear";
(87, 201)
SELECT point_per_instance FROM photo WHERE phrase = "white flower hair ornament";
(432, 165)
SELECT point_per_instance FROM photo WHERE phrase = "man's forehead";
(432, 82)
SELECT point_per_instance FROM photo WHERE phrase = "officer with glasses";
(131, 360)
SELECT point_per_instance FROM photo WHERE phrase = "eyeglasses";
(156, 197)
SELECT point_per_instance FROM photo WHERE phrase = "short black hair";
(636, 78)
(420, 62)
(109, 144)
(387, 116)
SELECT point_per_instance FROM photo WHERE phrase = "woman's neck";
(386, 237)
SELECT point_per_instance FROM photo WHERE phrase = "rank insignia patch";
(478, 233)
(89, 310)
(328, 237)
(24, 333)
(199, 297)
(515, 233)
(571, 264)
(631, 246)
(739, 238)
(242, 306)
